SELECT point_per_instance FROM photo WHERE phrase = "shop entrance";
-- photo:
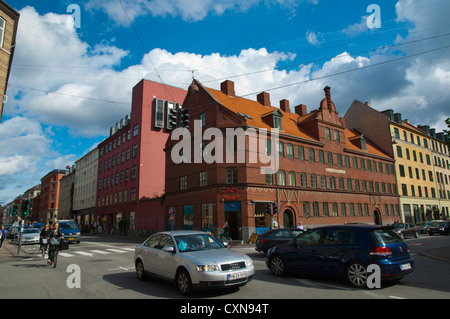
(233, 216)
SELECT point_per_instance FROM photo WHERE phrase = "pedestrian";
(2, 235)
(300, 226)
(226, 230)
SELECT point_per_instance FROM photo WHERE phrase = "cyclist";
(45, 231)
(55, 233)
(226, 230)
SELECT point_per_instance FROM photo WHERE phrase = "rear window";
(70, 225)
(386, 236)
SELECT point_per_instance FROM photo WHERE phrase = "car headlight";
(208, 268)
(249, 262)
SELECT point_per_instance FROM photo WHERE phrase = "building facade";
(66, 190)
(9, 19)
(420, 157)
(49, 197)
(327, 174)
(85, 188)
(131, 167)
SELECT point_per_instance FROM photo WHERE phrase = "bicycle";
(44, 247)
(53, 251)
(226, 240)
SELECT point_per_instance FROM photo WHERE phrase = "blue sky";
(69, 84)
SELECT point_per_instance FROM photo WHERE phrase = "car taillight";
(407, 248)
(381, 251)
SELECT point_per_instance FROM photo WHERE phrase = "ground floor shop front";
(249, 209)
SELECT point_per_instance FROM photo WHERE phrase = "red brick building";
(327, 173)
(131, 161)
(48, 200)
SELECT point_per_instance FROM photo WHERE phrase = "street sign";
(171, 213)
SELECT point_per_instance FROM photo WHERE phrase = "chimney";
(263, 98)
(284, 105)
(227, 87)
(301, 110)
(328, 95)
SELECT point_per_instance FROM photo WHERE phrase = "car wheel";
(356, 274)
(277, 265)
(184, 283)
(140, 271)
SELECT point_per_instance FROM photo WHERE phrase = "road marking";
(101, 252)
(66, 255)
(335, 287)
(121, 268)
(83, 253)
(116, 250)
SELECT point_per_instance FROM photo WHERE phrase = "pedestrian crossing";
(93, 252)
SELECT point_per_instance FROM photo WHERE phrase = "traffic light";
(275, 208)
(269, 208)
(25, 208)
(184, 118)
(15, 210)
(173, 118)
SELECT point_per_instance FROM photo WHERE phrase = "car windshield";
(387, 236)
(68, 226)
(400, 225)
(435, 224)
(30, 230)
(195, 242)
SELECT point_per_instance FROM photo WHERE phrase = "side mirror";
(169, 249)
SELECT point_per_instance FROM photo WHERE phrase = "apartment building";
(49, 197)
(85, 188)
(131, 161)
(9, 19)
(327, 173)
(416, 151)
(66, 190)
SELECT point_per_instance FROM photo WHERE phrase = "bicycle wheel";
(55, 258)
(230, 242)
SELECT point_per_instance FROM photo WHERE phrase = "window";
(183, 183)
(339, 237)
(327, 133)
(202, 118)
(399, 151)
(291, 179)
(311, 155)
(203, 178)
(134, 151)
(303, 182)
(159, 113)
(310, 238)
(301, 153)
(232, 175)
(281, 149)
(277, 122)
(2, 31)
(282, 178)
(269, 177)
(135, 131)
(290, 150)
(336, 136)
(132, 194)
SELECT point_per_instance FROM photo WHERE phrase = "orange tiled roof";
(257, 111)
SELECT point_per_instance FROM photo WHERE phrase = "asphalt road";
(102, 268)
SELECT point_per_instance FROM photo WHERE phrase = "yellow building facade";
(422, 198)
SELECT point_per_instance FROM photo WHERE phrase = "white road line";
(101, 252)
(66, 255)
(83, 253)
(395, 297)
(116, 250)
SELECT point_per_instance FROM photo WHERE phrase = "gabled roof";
(254, 112)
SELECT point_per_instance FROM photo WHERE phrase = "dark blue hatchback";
(344, 251)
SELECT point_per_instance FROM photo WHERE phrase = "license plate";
(237, 275)
(405, 266)
(71, 238)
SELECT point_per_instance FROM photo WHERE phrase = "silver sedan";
(193, 259)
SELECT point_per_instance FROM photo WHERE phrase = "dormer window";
(277, 122)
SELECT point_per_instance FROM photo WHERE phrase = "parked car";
(275, 237)
(442, 228)
(406, 230)
(30, 236)
(193, 259)
(423, 226)
(70, 230)
(343, 251)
